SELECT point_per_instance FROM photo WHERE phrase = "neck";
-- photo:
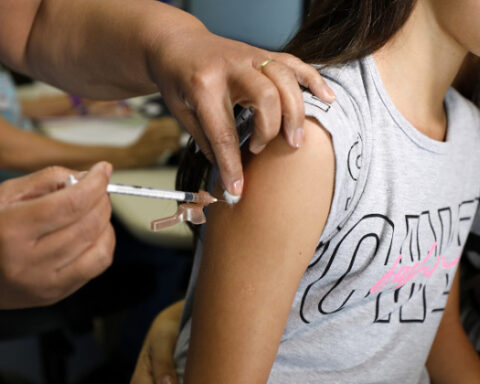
(417, 67)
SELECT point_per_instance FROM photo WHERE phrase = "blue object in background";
(175, 3)
(266, 23)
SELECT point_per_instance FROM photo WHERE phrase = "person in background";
(29, 151)
(114, 51)
(161, 135)
(155, 363)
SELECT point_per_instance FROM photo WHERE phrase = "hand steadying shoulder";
(125, 48)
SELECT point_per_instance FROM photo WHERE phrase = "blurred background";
(95, 335)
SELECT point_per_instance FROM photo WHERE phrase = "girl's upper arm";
(255, 254)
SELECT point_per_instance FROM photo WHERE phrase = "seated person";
(21, 149)
(340, 262)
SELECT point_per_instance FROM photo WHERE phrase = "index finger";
(63, 207)
(216, 118)
(33, 185)
(307, 76)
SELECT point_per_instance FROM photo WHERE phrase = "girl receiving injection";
(338, 265)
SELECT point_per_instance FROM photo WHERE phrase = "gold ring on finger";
(265, 63)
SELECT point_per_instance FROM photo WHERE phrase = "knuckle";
(11, 272)
(105, 249)
(224, 138)
(105, 260)
(291, 104)
(314, 74)
(55, 171)
(269, 95)
(90, 189)
(264, 133)
(83, 272)
(52, 290)
(268, 133)
(11, 268)
(99, 183)
(205, 78)
(290, 60)
(71, 204)
(88, 232)
(230, 169)
(296, 111)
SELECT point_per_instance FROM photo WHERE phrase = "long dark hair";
(334, 31)
(338, 31)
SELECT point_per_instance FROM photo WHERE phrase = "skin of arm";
(61, 105)
(255, 254)
(452, 358)
(90, 56)
(28, 151)
(38, 108)
(155, 362)
(122, 48)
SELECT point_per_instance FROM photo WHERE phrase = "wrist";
(164, 36)
(78, 105)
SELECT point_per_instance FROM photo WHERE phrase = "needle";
(201, 197)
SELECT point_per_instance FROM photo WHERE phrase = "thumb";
(164, 372)
(40, 183)
(153, 368)
(33, 185)
(167, 379)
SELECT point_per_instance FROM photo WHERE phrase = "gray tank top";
(370, 302)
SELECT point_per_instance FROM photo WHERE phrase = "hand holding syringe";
(193, 211)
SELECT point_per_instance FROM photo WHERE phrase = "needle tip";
(205, 198)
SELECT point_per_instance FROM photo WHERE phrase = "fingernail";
(256, 148)
(237, 187)
(166, 380)
(297, 138)
(107, 167)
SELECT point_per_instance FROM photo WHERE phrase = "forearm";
(27, 151)
(101, 50)
(452, 358)
(59, 105)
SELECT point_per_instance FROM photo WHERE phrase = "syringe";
(201, 197)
